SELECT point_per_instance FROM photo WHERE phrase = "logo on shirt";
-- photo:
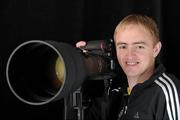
(136, 116)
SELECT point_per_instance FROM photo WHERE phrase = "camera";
(39, 72)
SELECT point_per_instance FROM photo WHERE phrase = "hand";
(80, 44)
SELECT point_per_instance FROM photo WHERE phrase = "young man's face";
(136, 50)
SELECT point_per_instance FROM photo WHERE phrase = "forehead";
(135, 28)
(133, 33)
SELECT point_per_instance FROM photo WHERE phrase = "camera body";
(102, 53)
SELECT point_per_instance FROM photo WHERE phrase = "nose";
(130, 53)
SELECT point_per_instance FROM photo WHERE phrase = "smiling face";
(136, 50)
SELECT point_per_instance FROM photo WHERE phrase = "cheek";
(119, 57)
(148, 57)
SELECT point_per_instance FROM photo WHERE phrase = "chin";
(131, 74)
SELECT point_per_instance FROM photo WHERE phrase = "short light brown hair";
(138, 19)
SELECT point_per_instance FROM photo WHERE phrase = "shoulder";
(168, 82)
(169, 87)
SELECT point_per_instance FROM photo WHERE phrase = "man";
(153, 93)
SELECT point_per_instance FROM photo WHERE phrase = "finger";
(80, 44)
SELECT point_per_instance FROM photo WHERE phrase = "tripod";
(75, 101)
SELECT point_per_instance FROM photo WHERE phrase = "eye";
(140, 47)
(122, 47)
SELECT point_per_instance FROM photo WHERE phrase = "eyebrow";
(141, 42)
(123, 43)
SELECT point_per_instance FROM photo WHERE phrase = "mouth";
(132, 63)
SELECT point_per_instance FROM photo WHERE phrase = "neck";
(134, 80)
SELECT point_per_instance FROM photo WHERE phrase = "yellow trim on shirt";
(128, 91)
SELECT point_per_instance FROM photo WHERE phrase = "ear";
(157, 49)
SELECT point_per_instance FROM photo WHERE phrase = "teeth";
(131, 63)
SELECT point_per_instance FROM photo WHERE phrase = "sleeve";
(98, 109)
(161, 109)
